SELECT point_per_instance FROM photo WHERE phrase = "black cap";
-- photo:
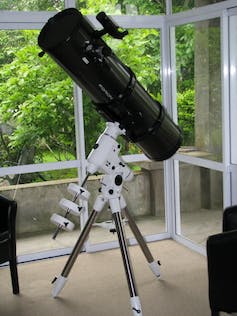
(59, 28)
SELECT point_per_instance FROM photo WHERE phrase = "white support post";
(69, 4)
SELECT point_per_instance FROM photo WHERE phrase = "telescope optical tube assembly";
(71, 40)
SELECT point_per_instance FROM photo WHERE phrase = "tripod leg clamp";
(99, 203)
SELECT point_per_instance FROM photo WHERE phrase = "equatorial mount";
(105, 158)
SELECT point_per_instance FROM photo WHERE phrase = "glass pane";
(36, 202)
(144, 196)
(129, 7)
(201, 205)
(37, 177)
(37, 111)
(140, 50)
(31, 5)
(198, 62)
(182, 5)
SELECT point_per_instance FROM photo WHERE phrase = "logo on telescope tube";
(102, 88)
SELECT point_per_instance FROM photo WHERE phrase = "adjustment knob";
(118, 180)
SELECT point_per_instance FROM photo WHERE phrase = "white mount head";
(104, 156)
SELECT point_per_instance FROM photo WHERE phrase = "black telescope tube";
(70, 39)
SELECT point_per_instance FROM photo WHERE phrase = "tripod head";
(104, 157)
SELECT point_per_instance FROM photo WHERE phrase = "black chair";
(230, 218)
(8, 209)
(222, 265)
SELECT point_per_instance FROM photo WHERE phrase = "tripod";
(104, 157)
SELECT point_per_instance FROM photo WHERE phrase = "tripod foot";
(136, 306)
(58, 285)
(155, 268)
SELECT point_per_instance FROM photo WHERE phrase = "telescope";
(72, 41)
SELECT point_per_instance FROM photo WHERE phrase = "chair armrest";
(230, 218)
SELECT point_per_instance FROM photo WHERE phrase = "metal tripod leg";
(61, 280)
(154, 265)
(134, 299)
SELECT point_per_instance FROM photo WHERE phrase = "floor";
(97, 285)
(195, 226)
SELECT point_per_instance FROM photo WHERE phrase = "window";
(129, 7)
(37, 111)
(201, 204)
(199, 99)
(183, 5)
(37, 126)
(199, 108)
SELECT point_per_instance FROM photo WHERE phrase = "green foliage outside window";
(31, 5)
(185, 103)
(139, 7)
